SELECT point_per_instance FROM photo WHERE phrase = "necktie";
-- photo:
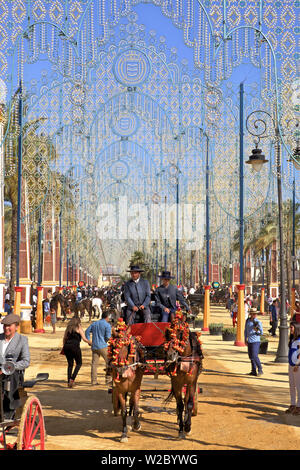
(137, 292)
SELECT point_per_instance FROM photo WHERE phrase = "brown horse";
(125, 365)
(183, 365)
(79, 307)
(56, 299)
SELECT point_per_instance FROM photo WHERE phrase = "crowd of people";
(271, 307)
(136, 298)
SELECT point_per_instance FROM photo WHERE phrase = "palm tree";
(31, 141)
(264, 240)
(144, 261)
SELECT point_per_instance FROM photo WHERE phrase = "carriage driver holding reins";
(166, 296)
(137, 296)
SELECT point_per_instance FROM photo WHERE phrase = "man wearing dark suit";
(166, 296)
(14, 348)
(137, 296)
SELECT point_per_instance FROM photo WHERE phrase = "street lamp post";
(295, 160)
(177, 229)
(207, 211)
(20, 153)
(257, 160)
(262, 295)
(40, 244)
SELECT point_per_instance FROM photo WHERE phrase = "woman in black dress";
(71, 347)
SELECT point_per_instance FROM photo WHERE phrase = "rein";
(115, 345)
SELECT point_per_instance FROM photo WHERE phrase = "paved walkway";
(272, 386)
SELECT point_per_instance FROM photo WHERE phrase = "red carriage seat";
(152, 334)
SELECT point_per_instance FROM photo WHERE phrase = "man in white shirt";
(247, 308)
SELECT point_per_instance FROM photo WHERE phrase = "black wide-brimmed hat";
(135, 268)
(166, 275)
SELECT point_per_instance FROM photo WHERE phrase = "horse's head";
(122, 350)
(177, 338)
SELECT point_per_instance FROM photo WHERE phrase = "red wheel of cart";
(31, 435)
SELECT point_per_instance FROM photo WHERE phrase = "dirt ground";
(235, 411)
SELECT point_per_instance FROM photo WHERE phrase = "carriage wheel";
(31, 435)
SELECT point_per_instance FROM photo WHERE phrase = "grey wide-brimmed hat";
(10, 319)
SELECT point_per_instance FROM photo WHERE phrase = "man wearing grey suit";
(166, 296)
(137, 296)
(14, 348)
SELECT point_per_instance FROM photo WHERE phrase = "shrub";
(264, 339)
(229, 330)
(215, 326)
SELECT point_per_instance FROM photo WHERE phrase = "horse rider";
(78, 295)
(166, 296)
(137, 296)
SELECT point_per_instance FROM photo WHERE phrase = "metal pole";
(156, 267)
(263, 267)
(230, 267)
(294, 232)
(241, 221)
(60, 249)
(67, 264)
(191, 273)
(40, 249)
(207, 210)
(20, 143)
(177, 230)
(282, 351)
(165, 233)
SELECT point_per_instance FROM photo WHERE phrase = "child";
(294, 369)
(53, 318)
(234, 312)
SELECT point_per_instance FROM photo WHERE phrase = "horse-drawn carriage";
(155, 348)
(26, 423)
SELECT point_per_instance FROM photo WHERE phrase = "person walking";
(274, 310)
(294, 369)
(295, 314)
(71, 348)
(7, 307)
(234, 311)
(46, 308)
(101, 332)
(253, 332)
